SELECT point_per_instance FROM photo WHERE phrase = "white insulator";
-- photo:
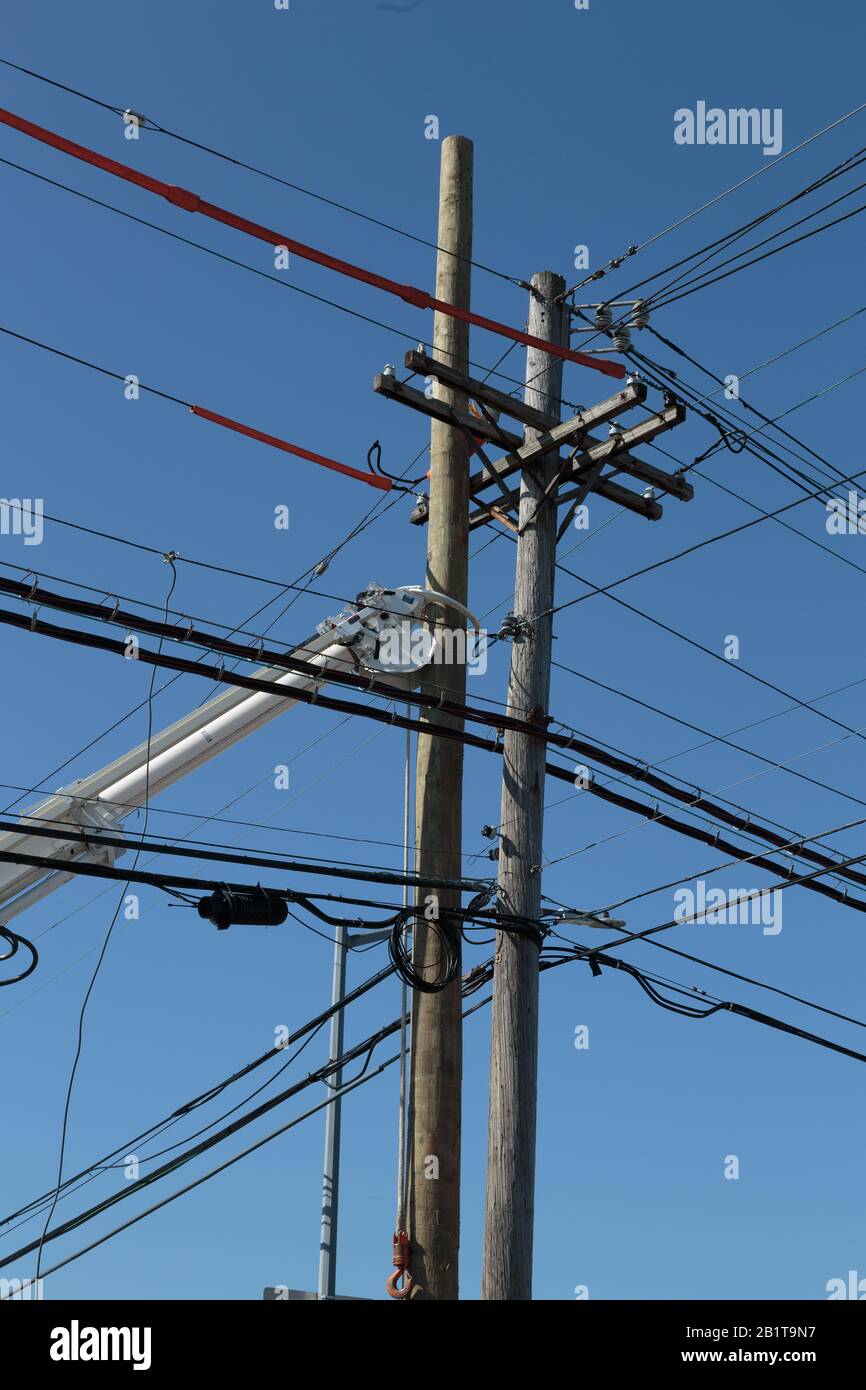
(603, 316)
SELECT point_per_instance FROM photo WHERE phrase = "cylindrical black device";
(258, 907)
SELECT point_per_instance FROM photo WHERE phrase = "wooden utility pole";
(507, 1271)
(437, 1055)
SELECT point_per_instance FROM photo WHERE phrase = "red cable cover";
(191, 202)
(372, 479)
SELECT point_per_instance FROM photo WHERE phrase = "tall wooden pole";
(437, 1056)
(507, 1271)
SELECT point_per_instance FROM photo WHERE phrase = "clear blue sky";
(632, 1134)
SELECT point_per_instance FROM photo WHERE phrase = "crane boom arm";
(102, 801)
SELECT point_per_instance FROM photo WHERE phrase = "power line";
(365, 1049)
(85, 1001)
(194, 849)
(770, 763)
(569, 740)
(306, 1031)
(224, 421)
(405, 334)
(265, 173)
(171, 883)
(704, 207)
(768, 420)
(721, 244)
(689, 289)
(191, 202)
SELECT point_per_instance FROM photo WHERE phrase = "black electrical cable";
(101, 957)
(574, 741)
(767, 419)
(381, 716)
(153, 126)
(196, 850)
(685, 292)
(16, 942)
(834, 172)
(307, 1030)
(595, 958)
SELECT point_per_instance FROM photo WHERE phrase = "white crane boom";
(351, 642)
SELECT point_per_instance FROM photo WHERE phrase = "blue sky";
(572, 114)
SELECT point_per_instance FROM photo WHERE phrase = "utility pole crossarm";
(615, 453)
(481, 391)
(568, 432)
(441, 410)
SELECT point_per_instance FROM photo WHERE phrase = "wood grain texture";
(437, 1025)
(507, 1271)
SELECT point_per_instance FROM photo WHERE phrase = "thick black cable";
(364, 1050)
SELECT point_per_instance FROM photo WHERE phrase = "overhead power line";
(191, 202)
(700, 1006)
(499, 722)
(58, 830)
(704, 207)
(569, 740)
(405, 334)
(274, 442)
(151, 125)
(703, 283)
